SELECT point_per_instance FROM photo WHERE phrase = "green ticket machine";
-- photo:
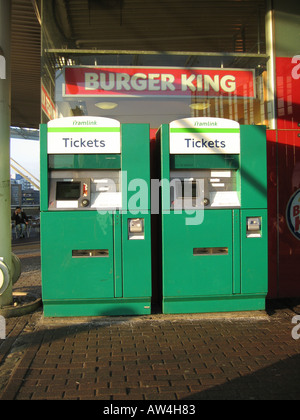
(214, 216)
(95, 225)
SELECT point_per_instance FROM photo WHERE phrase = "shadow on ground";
(279, 381)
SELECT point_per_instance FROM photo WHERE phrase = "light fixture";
(106, 105)
(200, 106)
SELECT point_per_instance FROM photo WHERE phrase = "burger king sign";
(293, 215)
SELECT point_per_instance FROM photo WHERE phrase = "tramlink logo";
(206, 124)
(2, 67)
(86, 123)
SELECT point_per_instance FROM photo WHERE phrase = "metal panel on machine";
(96, 248)
(214, 216)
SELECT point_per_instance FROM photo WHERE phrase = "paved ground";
(238, 357)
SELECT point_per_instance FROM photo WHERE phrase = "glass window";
(155, 61)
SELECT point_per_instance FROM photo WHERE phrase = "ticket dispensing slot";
(136, 229)
(204, 189)
(254, 227)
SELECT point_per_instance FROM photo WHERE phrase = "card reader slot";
(90, 253)
(210, 251)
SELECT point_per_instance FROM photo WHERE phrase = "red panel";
(288, 92)
(289, 183)
(272, 212)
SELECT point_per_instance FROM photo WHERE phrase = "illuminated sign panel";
(158, 82)
(204, 136)
(84, 135)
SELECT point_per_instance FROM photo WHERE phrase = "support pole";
(271, 66)
(5, 115)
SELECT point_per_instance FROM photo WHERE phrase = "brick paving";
(159, 358)
(172, 358)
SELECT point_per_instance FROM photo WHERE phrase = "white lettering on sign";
(84, 135)
(160, 81)
(91, 81)
(204, 136)
(122, 81)
(167, 82)
(206, 83)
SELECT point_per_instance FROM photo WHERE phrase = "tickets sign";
(158, 82)
(204, 136)
(84, 135)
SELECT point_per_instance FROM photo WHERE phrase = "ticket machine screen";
(68, 190)
(85, 190)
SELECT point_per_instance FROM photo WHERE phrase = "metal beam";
(112, 52)
(24, 173)
(5, 216)
(37, 11)
(24, 133)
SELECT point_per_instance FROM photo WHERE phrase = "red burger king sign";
(158, 82)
